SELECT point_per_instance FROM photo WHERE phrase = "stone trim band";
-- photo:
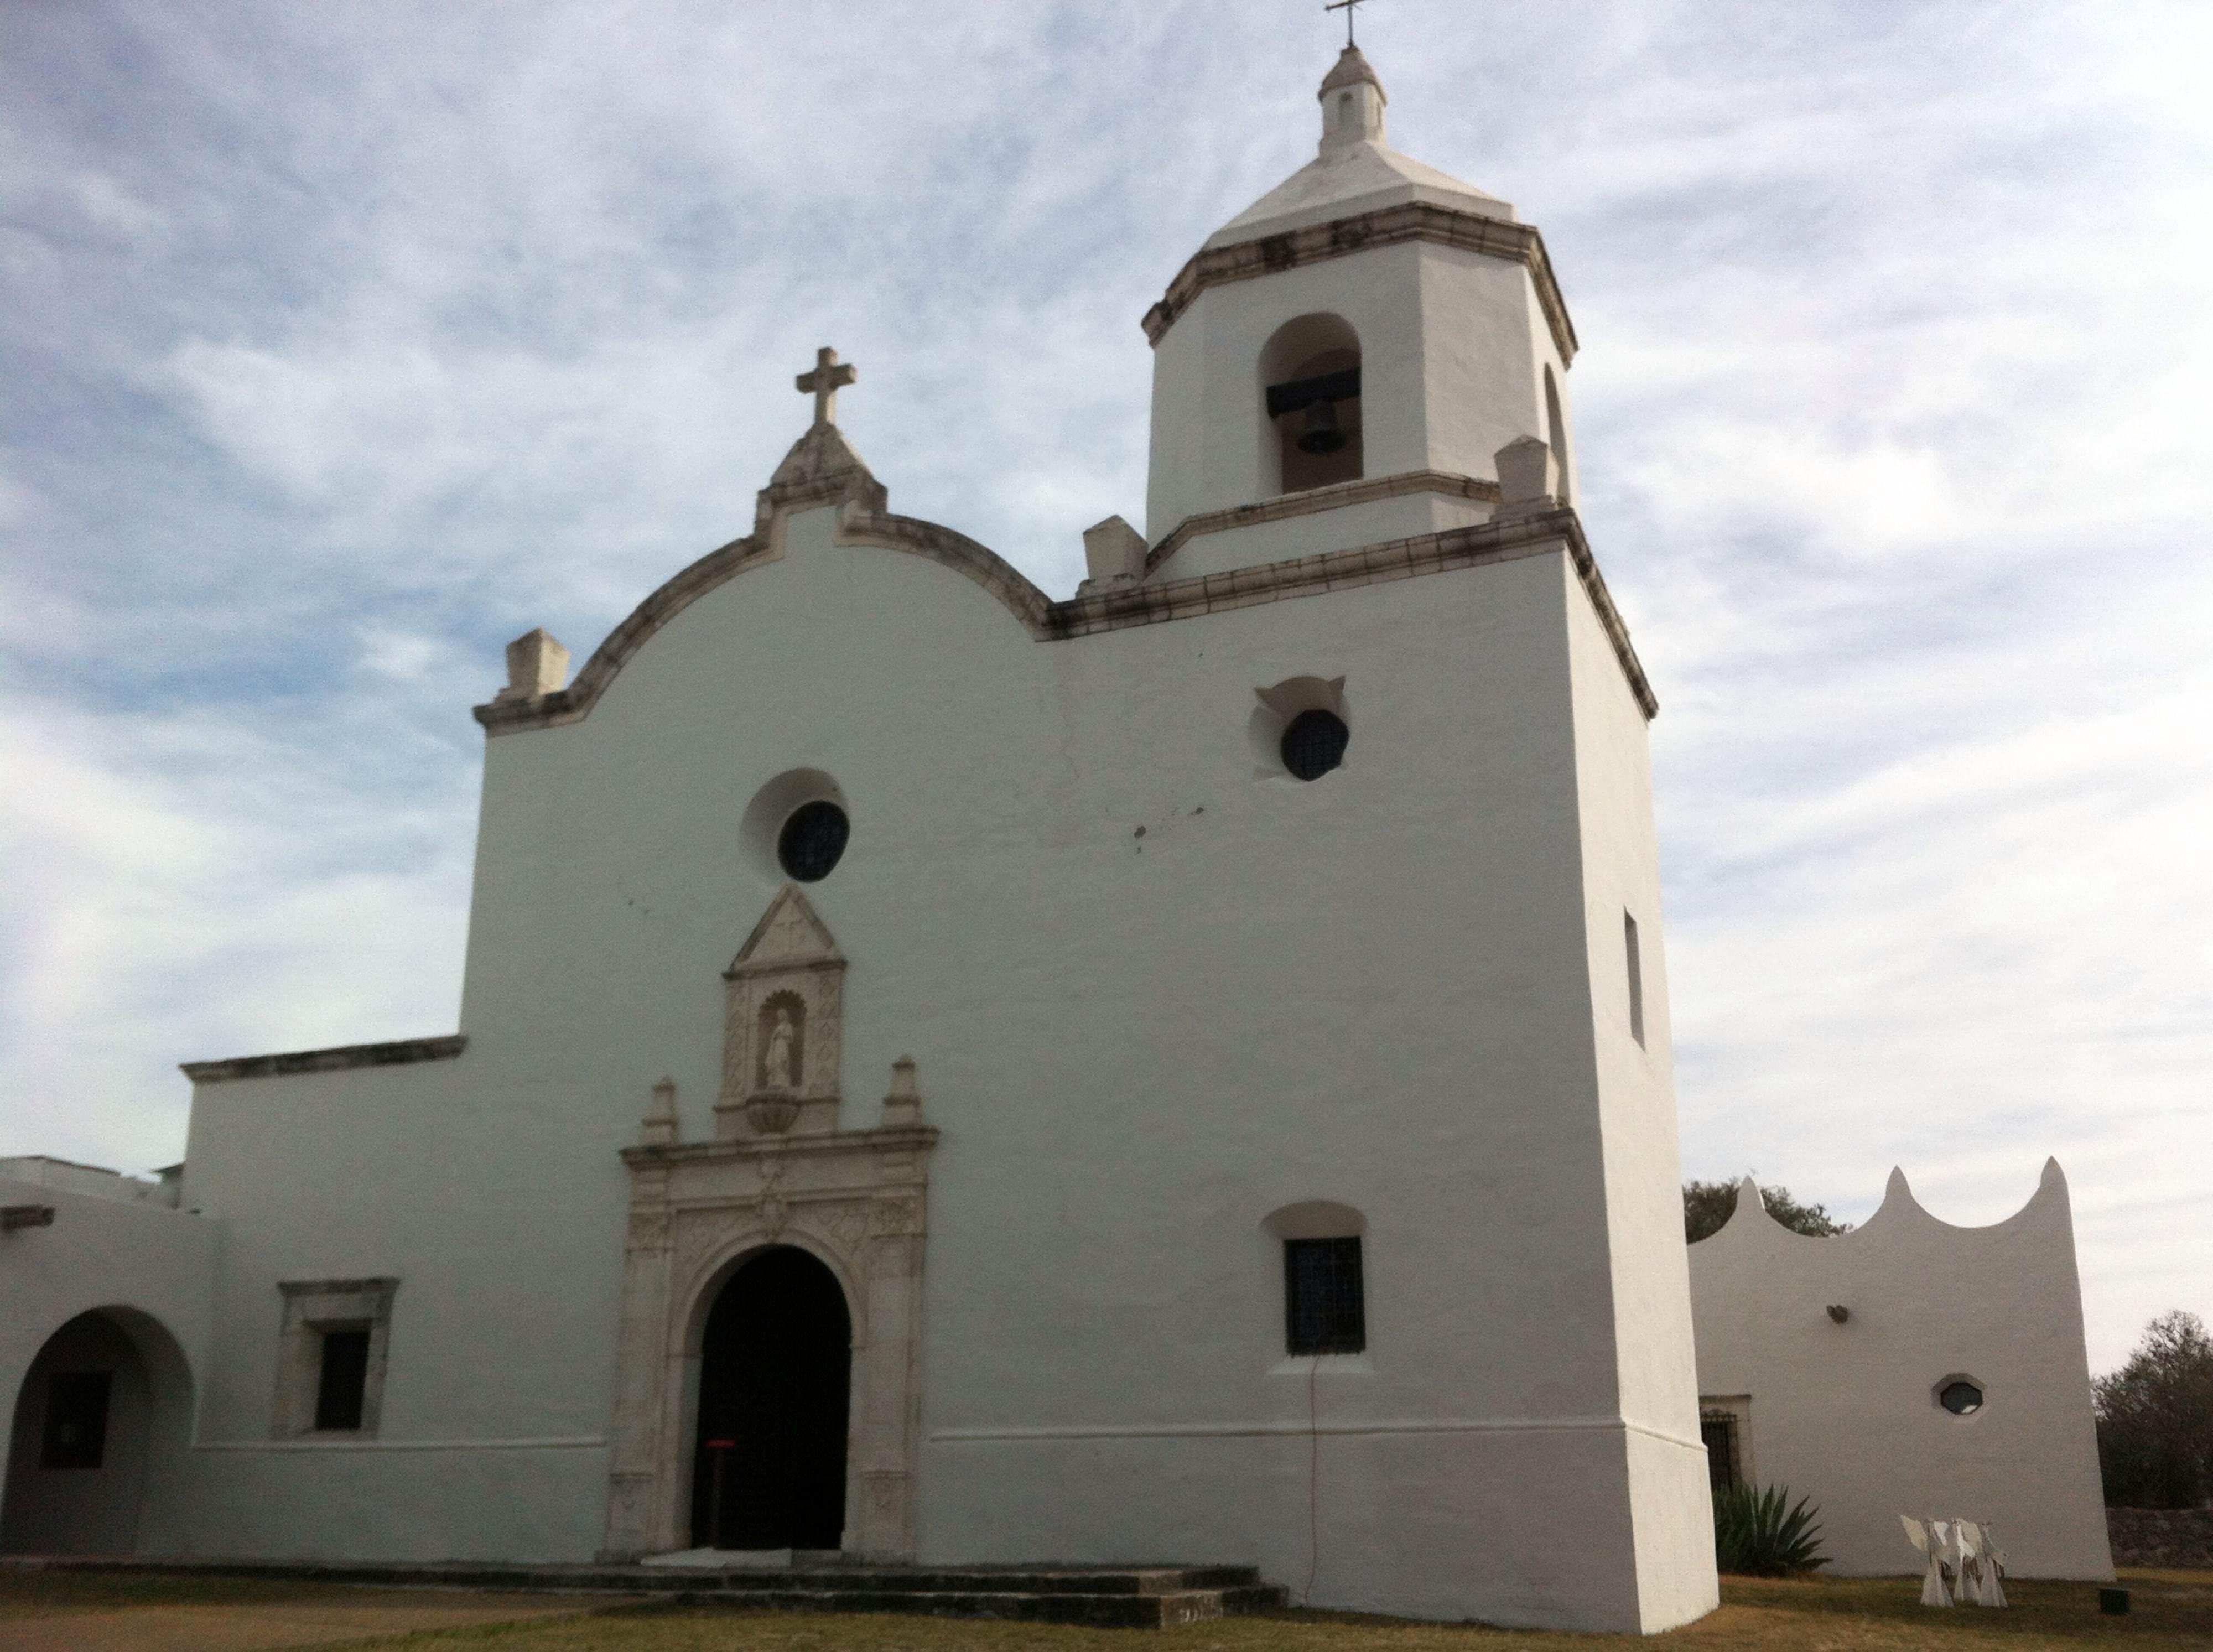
(1102, 611)
(1241, 1430)
(338, 1058)
(1415, 221)
(325, 1442)
(1309, 501)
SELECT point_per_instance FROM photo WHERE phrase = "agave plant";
(1762, 1533)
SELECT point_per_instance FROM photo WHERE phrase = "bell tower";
(1341, 362)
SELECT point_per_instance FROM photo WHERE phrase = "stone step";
(1124, 1611)
(1103, 1596)
(1125, 1581)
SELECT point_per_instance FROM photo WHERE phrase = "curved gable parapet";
(569, 705)
(861, 522)
(961, 553)
(1119, 608)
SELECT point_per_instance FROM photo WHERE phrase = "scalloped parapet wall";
(1832, 1353)
(1900, 1206)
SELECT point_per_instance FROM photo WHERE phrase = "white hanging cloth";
(1935, 1591)
(1993, 1592)
(1966, 1559)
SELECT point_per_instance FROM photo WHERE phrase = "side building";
(1908, 1367)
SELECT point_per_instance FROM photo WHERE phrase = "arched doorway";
(99, 1420)
(775, 1365)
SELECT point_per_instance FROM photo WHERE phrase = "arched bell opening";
(1310, 385)
(771, 1406)
(1556, 434)
(97, 1439)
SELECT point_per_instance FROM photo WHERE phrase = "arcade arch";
(97, 1439)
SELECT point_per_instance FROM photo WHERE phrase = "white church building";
(951, 1075)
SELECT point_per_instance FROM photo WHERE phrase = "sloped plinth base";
(1122, 1597)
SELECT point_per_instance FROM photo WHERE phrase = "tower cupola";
(1340, 364)
(1351, 103)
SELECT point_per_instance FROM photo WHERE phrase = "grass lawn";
(2172, 1609)
(89, 1612)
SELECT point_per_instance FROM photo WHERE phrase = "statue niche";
(783, 1041)
(780, 1057)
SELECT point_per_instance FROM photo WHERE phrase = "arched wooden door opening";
(776, 1365)
(101, 1418)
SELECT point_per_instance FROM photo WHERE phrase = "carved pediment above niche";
(784, 994)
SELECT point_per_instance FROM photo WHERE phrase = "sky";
(343, 342)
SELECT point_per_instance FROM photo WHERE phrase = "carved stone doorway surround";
(776, 1174)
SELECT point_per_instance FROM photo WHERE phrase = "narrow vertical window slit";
(1635, 978)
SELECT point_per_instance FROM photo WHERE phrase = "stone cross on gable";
(829, 373)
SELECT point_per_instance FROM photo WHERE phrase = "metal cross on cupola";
(829, 374)
(1352, 9)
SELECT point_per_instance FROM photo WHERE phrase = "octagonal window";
(1961, 1396)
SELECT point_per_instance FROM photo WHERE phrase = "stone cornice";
(1314, 500)
(899, 1138)
(1476, 545)
(340, 1058)
(1115, 609)
(1414, 221)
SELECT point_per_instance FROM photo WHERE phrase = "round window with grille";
(1314, 744)
(812, 841)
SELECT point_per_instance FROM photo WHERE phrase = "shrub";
(2155, 1418)
(1708, 1205)
(1761, 1533)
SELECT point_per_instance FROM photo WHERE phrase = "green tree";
(1708, 1204)
(2155, 1418)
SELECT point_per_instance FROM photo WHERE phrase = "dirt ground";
(90, 1612)
(2172, 1611)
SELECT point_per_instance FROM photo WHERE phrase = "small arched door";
(775, 1366)
(93, 1422)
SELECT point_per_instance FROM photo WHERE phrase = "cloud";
(192, 886)
(346, 344)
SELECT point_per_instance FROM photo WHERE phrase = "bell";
(1321, 434)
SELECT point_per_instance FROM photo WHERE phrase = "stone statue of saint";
(777, 1068)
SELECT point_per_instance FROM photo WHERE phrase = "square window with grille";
(1717, 1431)
(345, 1379)
(1325, 1309)
(77, 1419)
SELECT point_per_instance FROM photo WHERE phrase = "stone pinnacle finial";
(903, 1104)
(659, 1127)
(828, 374)
(537, 665)
(1351, 103)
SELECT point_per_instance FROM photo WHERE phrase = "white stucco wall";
(1338, 528)
(1157, 990)
(1156, 993)
(493, 1206)
(1846, 1415)
(1452, 346)
(1649, 1271)
(149, 1270)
